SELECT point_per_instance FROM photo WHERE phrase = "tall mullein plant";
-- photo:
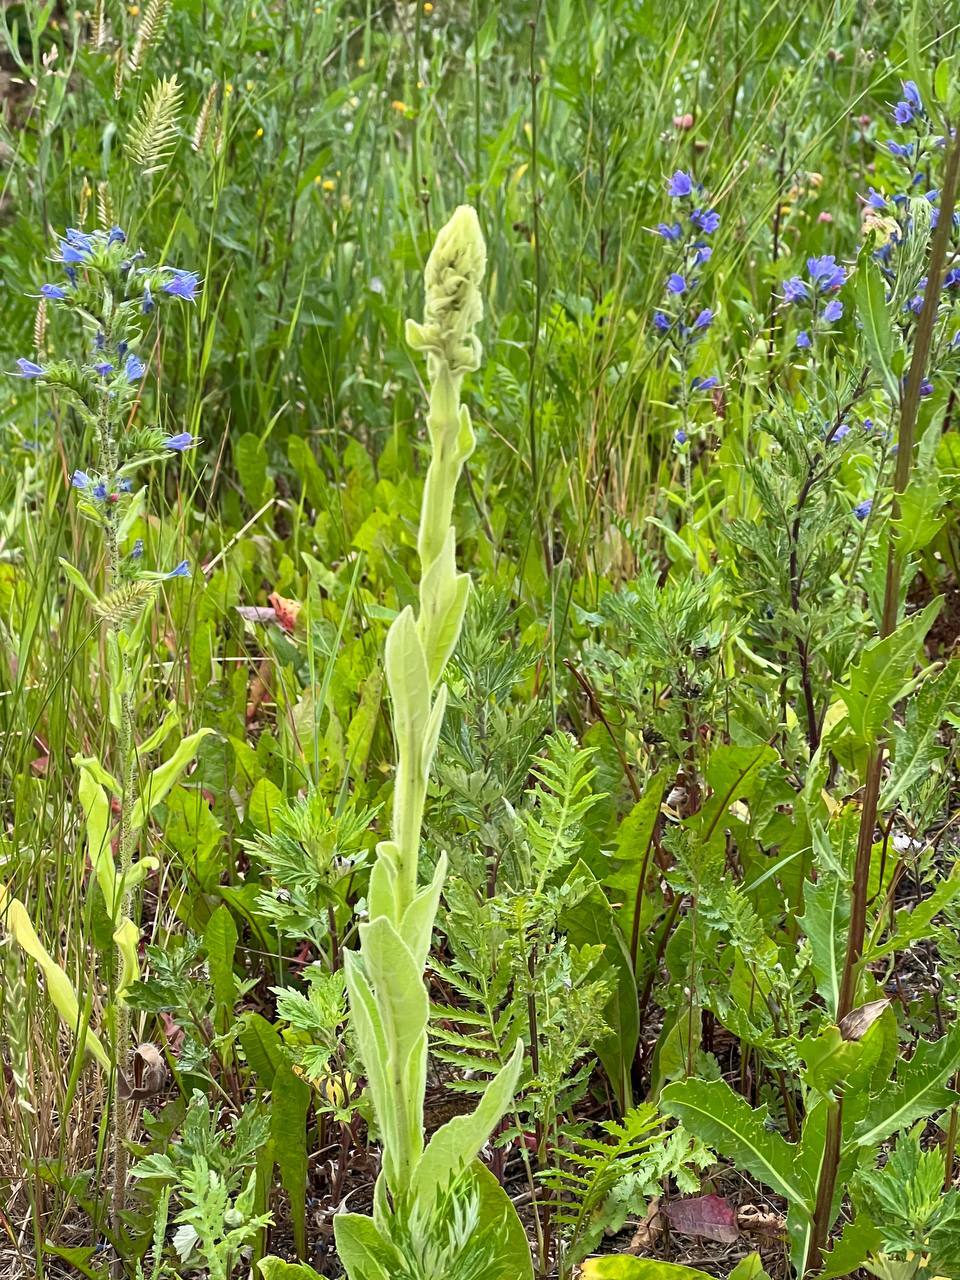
(388, 999)
(113, 296)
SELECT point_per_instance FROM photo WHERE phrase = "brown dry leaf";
(148, 1074)
(647, 1234)
(859, 1021)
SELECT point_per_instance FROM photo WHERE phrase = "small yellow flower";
(329, 184)
(228, 88)
(258, 134)
(428, 7)
(133, 10)
(361, 63)
(333, 1088)
(399, 106)
(249, 86)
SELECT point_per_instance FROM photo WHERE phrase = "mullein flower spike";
(388, 1000)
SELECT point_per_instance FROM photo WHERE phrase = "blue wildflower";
(708, 220)
(116, 236)
(183, 440)
(833, 311)
(952, 279)
(135, 368)
(182, 570)
(80, 480)
(876, 199)
(704, 320)
(825, 273)
(680, 185)
(125, 485)
(676, 283)
(680, 436)
(902, 113)
(28, 369)
(902, 149)
(100, 491)
(912, 94)
(100, 341)
(702, 253)
(926, 387)
(53, 292)
(137, 551)
(705, 384)
(840, 433)
(795, 289)
(661, 322)
(147, 304)
(803, 340)
(104, 368)
(122, 347)
(183, 284)
(863, 509)
(669, 231)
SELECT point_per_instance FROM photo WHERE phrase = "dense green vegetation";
(543, 870)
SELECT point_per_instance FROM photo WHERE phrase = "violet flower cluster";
(681, 318)
(111, 291)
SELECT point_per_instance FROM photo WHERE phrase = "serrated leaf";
(918, 1091)
(913, 923)
(825, 919)
(881, 675)
(914, 747)
(723, 1120)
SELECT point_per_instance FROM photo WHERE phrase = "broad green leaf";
(825, 920)
(870, 295)
(623, 1268)
(79, 581)
(403, 1009)
(416, 928)
(749, 1268)
(277, 1269)
(881, 675)
(723, 1120)
(220, 944)
(363, 1251)
(250, 459)
(59, 987)
(591, 921)
(914, 748)
(459, 1141)
(127, 938)
(96, 809)
(261, 1043)
(918, 1091)
(158, 783)
(372, 1046)
(859, 1238)
(290, 1102)
(922, 514)
(443, 602)
(496, 1207)
(633, 841)
(913, 923)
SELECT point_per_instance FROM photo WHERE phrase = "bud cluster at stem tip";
(454, 305)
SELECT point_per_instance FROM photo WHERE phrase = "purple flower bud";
(912, 94)
(661, 322)
(876, 199)
(680, 436)
(705, 384)
(135, 368)
(28, 369)
(704, 320)
(926, 387)
(147, 304)
(833, 311)
(902, 113)
(902, 149)
(100, 491)
(182, 570)
(676, 283)
(53, 292)
(104, 368)
(115, 236)
(803, 340)
(80, 480)
(863, 509)
(137, 552)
